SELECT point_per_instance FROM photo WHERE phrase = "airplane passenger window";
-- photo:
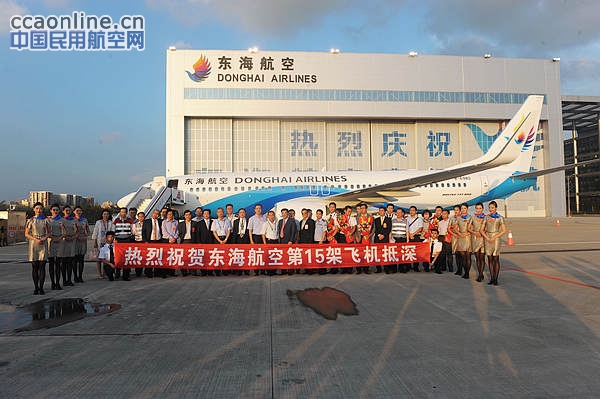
(197, 189)
(210, 189)
(228, 188)
(352, 186)
(442, 184)
(269, 188)
(242, 188)
(203, 189)
(453, 184)
(235, 188)
(437, 185)
(345, 186)
(364, 186)
(282, 188)
(222, 188)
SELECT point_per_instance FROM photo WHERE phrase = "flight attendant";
(463, 242)
(55, 245)
(37, 231)
(69, 235)
(83, 231)
(452, 229)
(492, 229)
(477, 246)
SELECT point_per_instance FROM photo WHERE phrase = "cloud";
(180, 44)
(109, 137)
(143, 177)
(580, 76)
(57, 3)
(8, 8)
(282, 17)
(530, 29)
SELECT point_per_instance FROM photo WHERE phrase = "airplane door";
(485, 185)
(314, 191)
(325, 189)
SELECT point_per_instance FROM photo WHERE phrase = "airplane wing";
(506, 149)
(537, 173)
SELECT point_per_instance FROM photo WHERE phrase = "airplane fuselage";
(316, 189)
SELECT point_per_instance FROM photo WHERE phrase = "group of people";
(60, 240)
(453, 239)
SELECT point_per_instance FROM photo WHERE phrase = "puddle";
(327, 302)
(49, 313)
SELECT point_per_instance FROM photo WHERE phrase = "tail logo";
(201, 70)
(520, 138)
(530, 139)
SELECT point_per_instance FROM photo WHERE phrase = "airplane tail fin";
(515, 144)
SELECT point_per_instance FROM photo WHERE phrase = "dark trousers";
(139, 270)
(185, 272)
(148, 271)
(398, 267)
(446, 255)
(415, 265)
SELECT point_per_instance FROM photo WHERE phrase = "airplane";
(488, 177)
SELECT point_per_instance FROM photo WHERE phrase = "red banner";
(272, 256)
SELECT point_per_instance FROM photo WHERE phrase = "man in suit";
(240, 234)
(307, 233)
(287, 232)
(204, 233)
(151, 233)
(382, 228)
(187, 233)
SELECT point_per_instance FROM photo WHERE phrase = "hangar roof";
(583, 111)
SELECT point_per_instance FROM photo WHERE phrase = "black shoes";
(36, 292)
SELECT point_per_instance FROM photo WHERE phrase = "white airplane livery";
(496, 174)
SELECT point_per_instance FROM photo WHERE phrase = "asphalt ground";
(415, 335)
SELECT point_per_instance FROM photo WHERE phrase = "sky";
(93, 123)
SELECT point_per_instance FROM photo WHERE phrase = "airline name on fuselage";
(290, 179)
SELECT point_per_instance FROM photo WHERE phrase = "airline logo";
(201, 70)
(530, 139)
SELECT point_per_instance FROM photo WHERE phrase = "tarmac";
(418, 335)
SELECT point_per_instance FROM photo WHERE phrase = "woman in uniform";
(463, 242)
(452, 228)
(492, 229)
(477, 246)
(83, 231)
(69, 229)
(55, 245)
(99, 235)
(37, 232)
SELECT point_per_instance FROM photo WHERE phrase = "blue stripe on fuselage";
(505, 189)
(267, 198)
